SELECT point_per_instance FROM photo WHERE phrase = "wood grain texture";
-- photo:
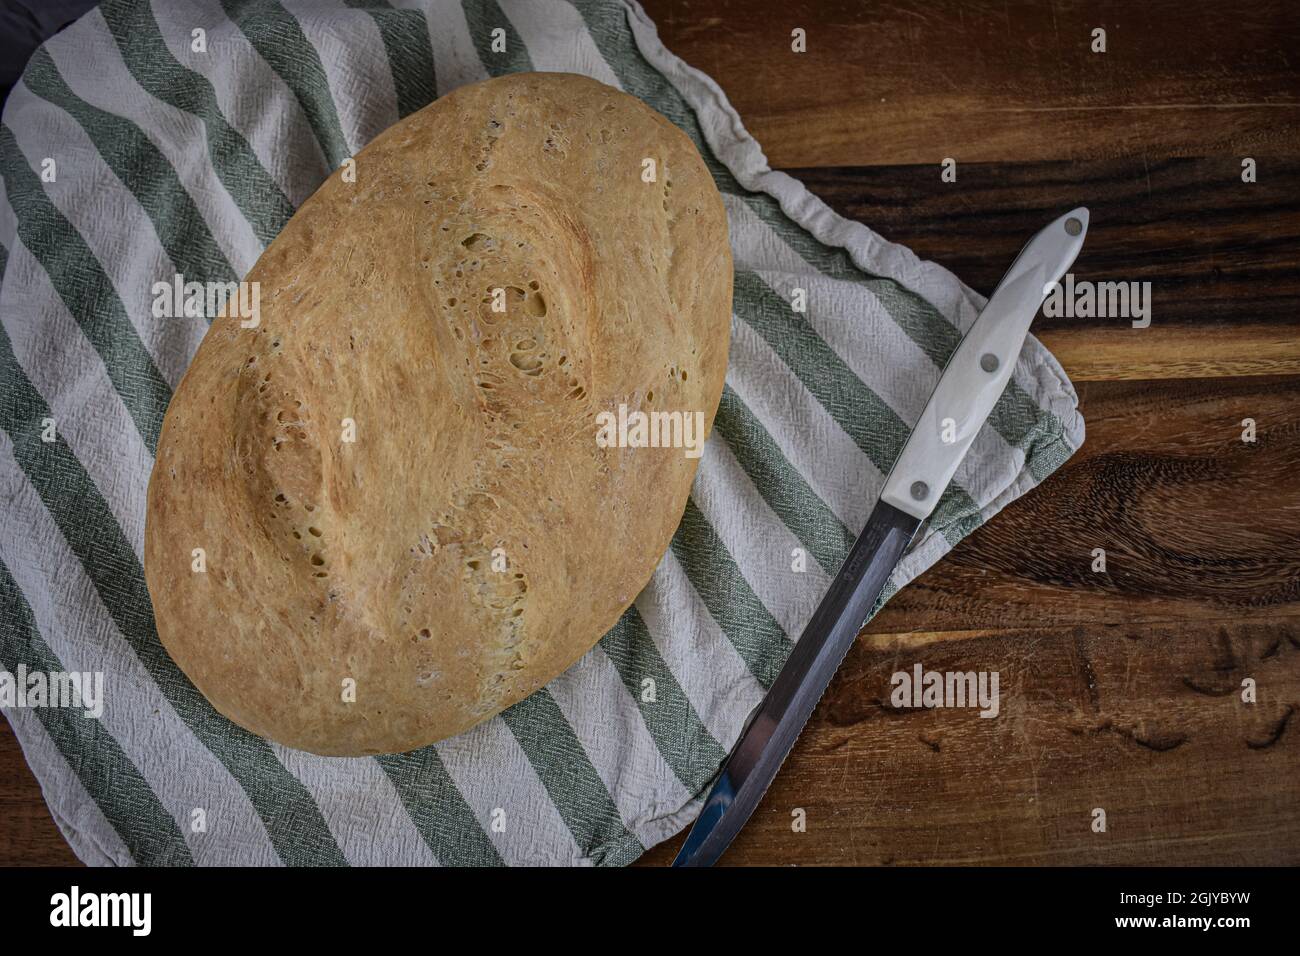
(1120, 690)
(914, 81)
(1197, 525)
(28, 835)
(1222, 257)
(1144, 723)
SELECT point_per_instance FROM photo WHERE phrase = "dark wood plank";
(1198, 525)
(917, 80)
(1222, 256)
(28, 835)
(1145, 724)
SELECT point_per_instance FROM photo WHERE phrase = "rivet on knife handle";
(978, 371)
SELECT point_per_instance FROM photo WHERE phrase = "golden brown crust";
(474, 431)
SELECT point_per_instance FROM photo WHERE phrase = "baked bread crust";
(378, 560)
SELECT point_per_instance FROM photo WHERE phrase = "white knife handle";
(978, 371)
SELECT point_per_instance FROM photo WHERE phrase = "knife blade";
(972, 381)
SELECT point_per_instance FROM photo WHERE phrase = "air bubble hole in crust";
(526, 363)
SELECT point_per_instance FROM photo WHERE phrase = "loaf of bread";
(390, 510)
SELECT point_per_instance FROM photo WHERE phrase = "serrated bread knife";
(971, 383)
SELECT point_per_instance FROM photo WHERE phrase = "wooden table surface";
(1122, 690)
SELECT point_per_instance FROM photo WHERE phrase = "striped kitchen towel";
(178, 136)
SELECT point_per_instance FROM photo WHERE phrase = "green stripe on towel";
(573, 784)
(94, 755)
(438, 810)
(786, 492)
(86, 292)
(276, 35)
(144, 171)
(484, 18)
(684, 741)
(152, 65)
(405, 34)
